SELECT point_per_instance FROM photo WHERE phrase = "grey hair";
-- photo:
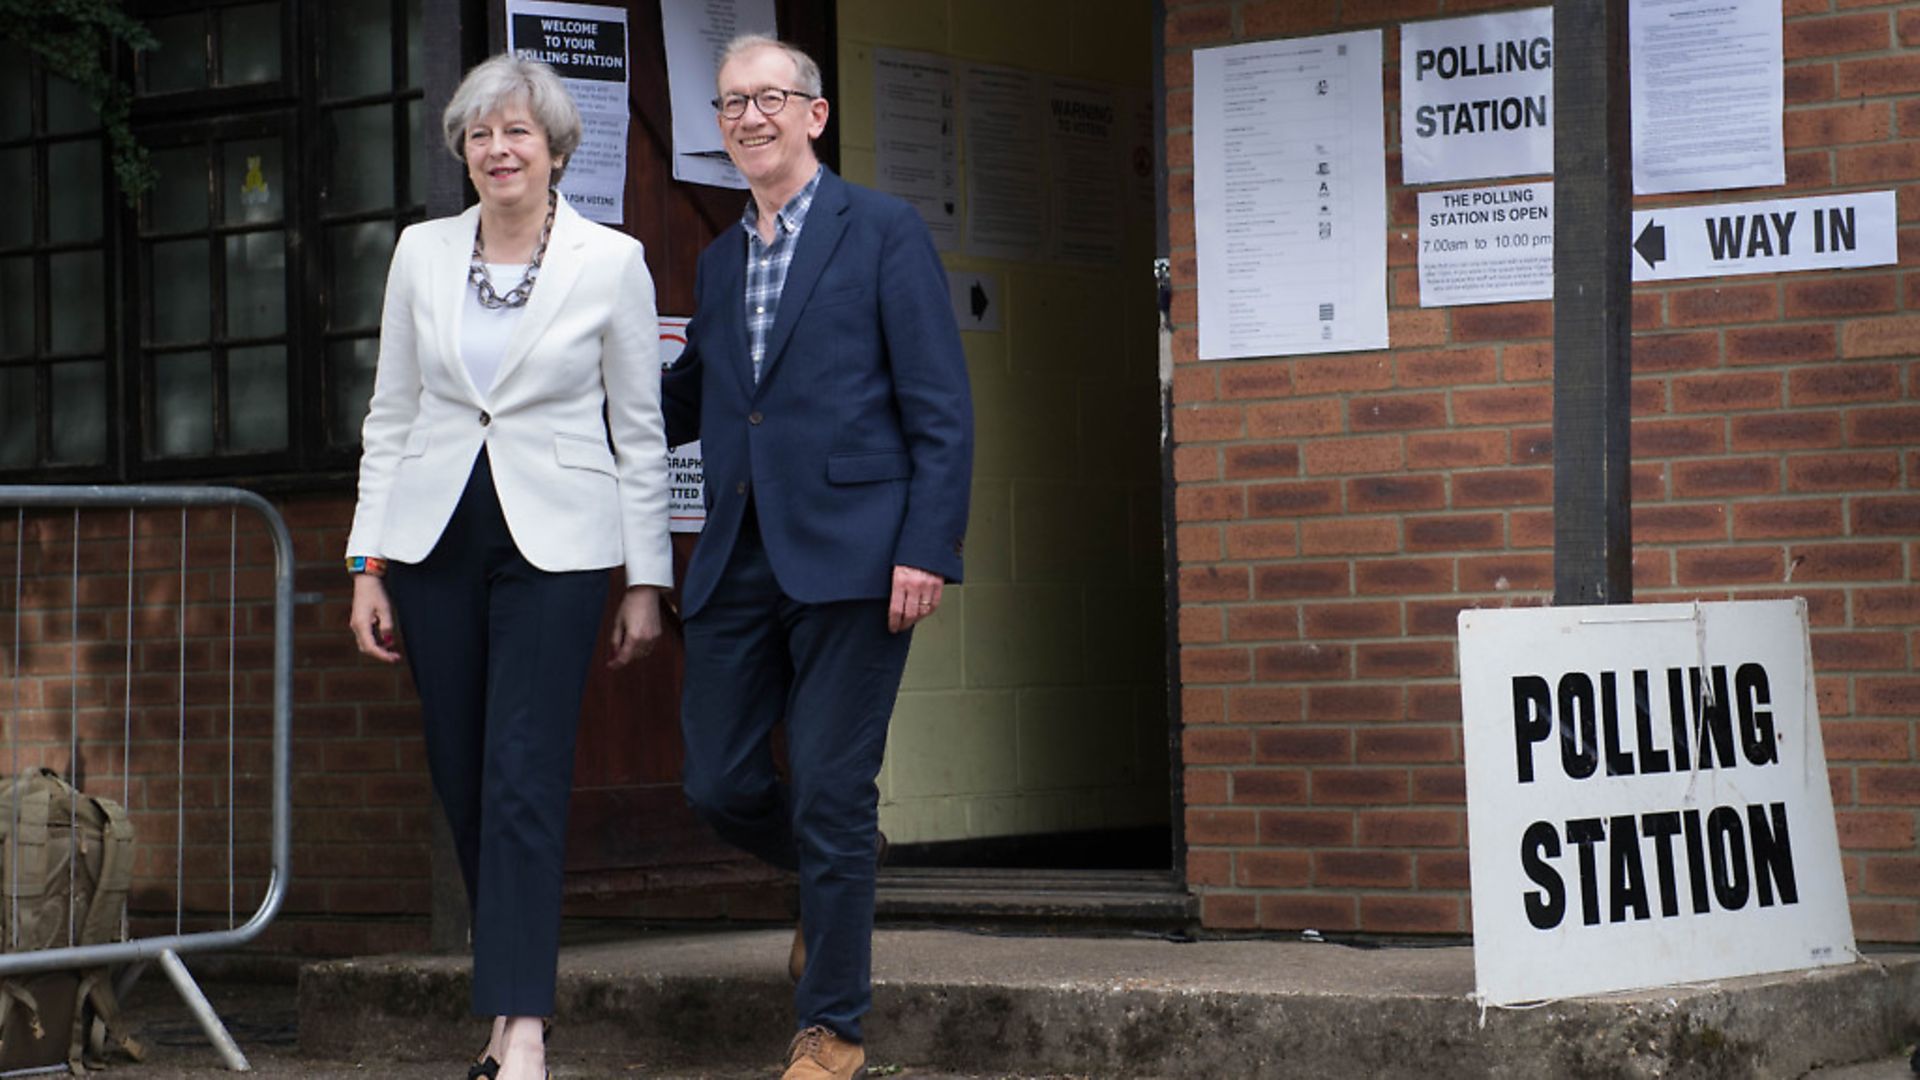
(502, 79)
(806, 72)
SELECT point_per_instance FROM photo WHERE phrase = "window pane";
(178, 199)
(255, 189)
(16, 210)
(257, 398)
(182, 420)
(250, 44)
(360, 256)
(350, 367)
(79, 413)
(417, 156)
(256, 285)
(16, 417)
(182, 291)
(77, 286)
(413, 75)
(16, 307)
(16, 93)
(180, 60)
(359, 48)
(68, 110)
(73, 192)
(361, 159)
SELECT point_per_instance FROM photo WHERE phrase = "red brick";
(1406, 745)
(1505, 573)
(1859, 651)
(1287, 581)
(1787, 431)
(1222, 827)
(1364, 787)
(1887, 607)
(1714, 393)
(1364, 869)
(1842, 295)
(1200, 584)
(1887, 515)
(1411, 828)
(1210, 24)
(1194, 385)
(1261, 460)
(1263, 541)
(1288, 500)
(1342, 374)
(1809, 169)
(1203, 423)
(1350, 536)
(1804, 83)
(1675, 352)
(1199, 625)
(1282, 18)
(1369, 453)
(1306, 828)
(1209, 503)
(1506, 487)
(1725, 476)
(1908, 25)
(1397, 412)
(1302, 911)
(1367, 12)
(1352, 620)
(1719, 304)
(1527, 362)
(1216, 746)
(1898, 876)
(1847, 562)
(1730, 566)
(1331, 704)
(1417, 327)
(1191, 463)
(1843, 472)
(1265, 704)
(1857, 123)
(1679, 438)
(1453, 532)
(1875, 830)
(1506, 406)
(1440, 786)
(1448, 367)
(1434, 703)
(1402, 576)
(1406, 660)
(1286, 663)
(1197, 543)
(1229, 911)
(1246, 380)
(1648, 310)
(1647, 397)
(1209, 867)
(1264, 622)
(1896, 921)
(1303, 746)
(1376, 493)
(1866, 740)
(1503, 322)
(1896, 426)
(1802, 38)
(1878, 163)
(1781, 344)
(1786, 518)
(1892, 335)
(1274, 869)
(1457, 449)
(1433, 871)
(1269, 787)
(1843, 384)
(1213, 665)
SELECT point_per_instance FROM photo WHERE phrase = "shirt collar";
(792, 215)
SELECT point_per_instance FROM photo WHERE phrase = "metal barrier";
(167, 949)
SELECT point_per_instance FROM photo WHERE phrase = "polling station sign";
(1476, 97)
(1821, 232)
(1647, 798)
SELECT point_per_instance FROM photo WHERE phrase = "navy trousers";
(499, 651)
(831, 671)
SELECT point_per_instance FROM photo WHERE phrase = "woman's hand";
(636, 626)
(372, 619)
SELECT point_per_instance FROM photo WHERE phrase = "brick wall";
(1334, 513)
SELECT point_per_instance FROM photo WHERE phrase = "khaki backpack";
(65, 867)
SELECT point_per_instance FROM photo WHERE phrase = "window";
(228, 325)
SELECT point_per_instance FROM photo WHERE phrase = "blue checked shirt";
(767, 265)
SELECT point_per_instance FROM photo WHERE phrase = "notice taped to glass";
(586, 45)
(1486, 245)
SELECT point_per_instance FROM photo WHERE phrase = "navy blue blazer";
(856, 446)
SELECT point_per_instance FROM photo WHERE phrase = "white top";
(485, 331)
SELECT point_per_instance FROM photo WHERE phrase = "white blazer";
(588, 338)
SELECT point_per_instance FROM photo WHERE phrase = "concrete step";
(1133, 1007)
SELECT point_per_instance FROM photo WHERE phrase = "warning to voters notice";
(1486, 245)
(1290, 196)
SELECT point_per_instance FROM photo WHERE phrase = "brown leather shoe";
(797, 952)
(819, 1054)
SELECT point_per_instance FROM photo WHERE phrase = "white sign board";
(1822, 232)
(1476, 97)
(1486, 245)
(1707, 91)
(696, 32)
(1003, 123)
(1647, 798)
(586, 45)
(1290, 196)
(686, 470)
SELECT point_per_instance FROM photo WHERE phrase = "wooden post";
(1592, 303)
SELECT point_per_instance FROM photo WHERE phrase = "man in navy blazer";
(824, 378)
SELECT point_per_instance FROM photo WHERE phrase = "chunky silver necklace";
(482, 282)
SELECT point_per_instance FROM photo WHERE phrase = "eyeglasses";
(769, 101)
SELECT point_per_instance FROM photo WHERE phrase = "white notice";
(1707, 95)
(913, 137)
(696, 33)
(1647, 798)
(1822, 232)
(1006, 163)
(686, 471)
(1290, 196)
(1486, 245)
(586, 45)
(1476, 97)
(1087, 222)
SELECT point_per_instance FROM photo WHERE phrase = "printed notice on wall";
(1819, 232)
(1290, 196)
(1006, 141)
(1486, 245)
(696, 33)
(915, 145)
(1707, 95)
(1087, 222)
(1647, 798)
(686, 469)
(586, 45)
(1476, 97)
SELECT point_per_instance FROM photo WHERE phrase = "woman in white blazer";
(512, 454)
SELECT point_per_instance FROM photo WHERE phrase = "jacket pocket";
(868, 466)
(583, 452)
(417, 440)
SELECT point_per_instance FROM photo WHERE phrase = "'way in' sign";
(1825, 232)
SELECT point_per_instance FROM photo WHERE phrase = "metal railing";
(166, 948)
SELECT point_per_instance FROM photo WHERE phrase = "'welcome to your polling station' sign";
(1476, 97)
(1647, 798)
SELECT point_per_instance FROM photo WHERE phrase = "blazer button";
(485, 419)
(753, 417)
(740, 488)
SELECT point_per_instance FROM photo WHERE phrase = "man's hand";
(916, 595)
(636, 626)
(372, 618)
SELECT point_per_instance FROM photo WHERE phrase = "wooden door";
(633, 845)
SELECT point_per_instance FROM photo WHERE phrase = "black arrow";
(978, 299)
(1652, 244)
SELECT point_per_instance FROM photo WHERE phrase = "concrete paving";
(955, 1004)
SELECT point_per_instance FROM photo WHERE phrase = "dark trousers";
(499, 651)
(831, 671)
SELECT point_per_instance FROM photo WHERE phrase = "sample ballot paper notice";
(1290, 194)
